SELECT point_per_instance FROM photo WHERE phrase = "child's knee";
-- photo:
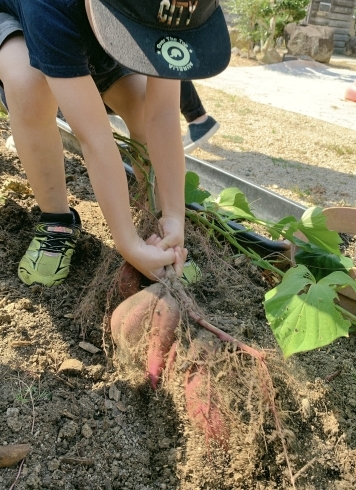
(27, 92)
(20, 87)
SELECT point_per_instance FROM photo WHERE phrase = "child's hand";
(172, 232)
(150, 258)
(180, 253)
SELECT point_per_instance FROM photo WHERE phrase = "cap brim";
(186, 54)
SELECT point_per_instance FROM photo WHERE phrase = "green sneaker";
(191, 273)
(47, 259)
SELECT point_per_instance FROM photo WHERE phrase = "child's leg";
(33, 122)
(33, 110)
(126, 97)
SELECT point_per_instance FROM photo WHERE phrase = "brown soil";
(96, 424)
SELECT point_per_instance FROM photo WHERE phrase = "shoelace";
(55, 241)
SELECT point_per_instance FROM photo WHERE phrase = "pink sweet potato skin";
(128, 319)
(129, 280)
(171, 357)
(165, 320)
(202, 406)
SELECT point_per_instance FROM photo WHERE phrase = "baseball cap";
(169, 39)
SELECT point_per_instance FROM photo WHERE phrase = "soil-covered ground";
(90, 417)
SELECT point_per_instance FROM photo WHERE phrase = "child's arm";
(164, 142)
(82, 107)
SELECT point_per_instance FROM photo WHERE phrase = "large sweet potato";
(130, 318)
(153, 311)
(165, 320)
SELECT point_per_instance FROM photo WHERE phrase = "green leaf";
(313, 225)
(192, 191)
(286, 227)
(232, 203)
(320, 262)
(338, 279)
(302, 313)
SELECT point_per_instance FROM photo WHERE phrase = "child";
(65, 53)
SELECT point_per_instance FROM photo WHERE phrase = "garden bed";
(93, 424)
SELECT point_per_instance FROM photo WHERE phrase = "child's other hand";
(172, 232)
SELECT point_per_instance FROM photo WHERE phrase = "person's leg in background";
(126, 98)
(201, 126)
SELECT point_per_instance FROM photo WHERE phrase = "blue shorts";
(8, 25)
(105, 74)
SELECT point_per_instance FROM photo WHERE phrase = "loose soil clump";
(89, 413)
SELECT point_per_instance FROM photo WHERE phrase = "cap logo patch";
(171, 12)
(175, 52)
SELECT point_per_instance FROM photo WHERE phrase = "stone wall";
(337, 14)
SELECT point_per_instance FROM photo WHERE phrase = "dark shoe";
(47, 259)
(197, 134)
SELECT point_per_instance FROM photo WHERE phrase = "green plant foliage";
(232, 203)
(289, 11)
(253, 16)
(31, 394)
(320, 262)
(313, 226)
(250, 18)
(285, 227)
(302, 312)
(193, 192)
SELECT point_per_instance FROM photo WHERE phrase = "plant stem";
(223, 336)
(346, 313)
(189, 306)
(151, 190)
(197, 218)
(149, 176)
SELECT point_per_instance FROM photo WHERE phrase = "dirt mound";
(93, 424)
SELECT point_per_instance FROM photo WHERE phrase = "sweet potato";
(129, 318)
(165, 320)
(129, 280)
(152, 310)
(202, 406)
(171, 357)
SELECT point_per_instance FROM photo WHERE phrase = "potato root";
(12, 454)
(165, 320)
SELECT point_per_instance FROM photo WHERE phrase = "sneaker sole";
(195, 144)
(27, 278)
